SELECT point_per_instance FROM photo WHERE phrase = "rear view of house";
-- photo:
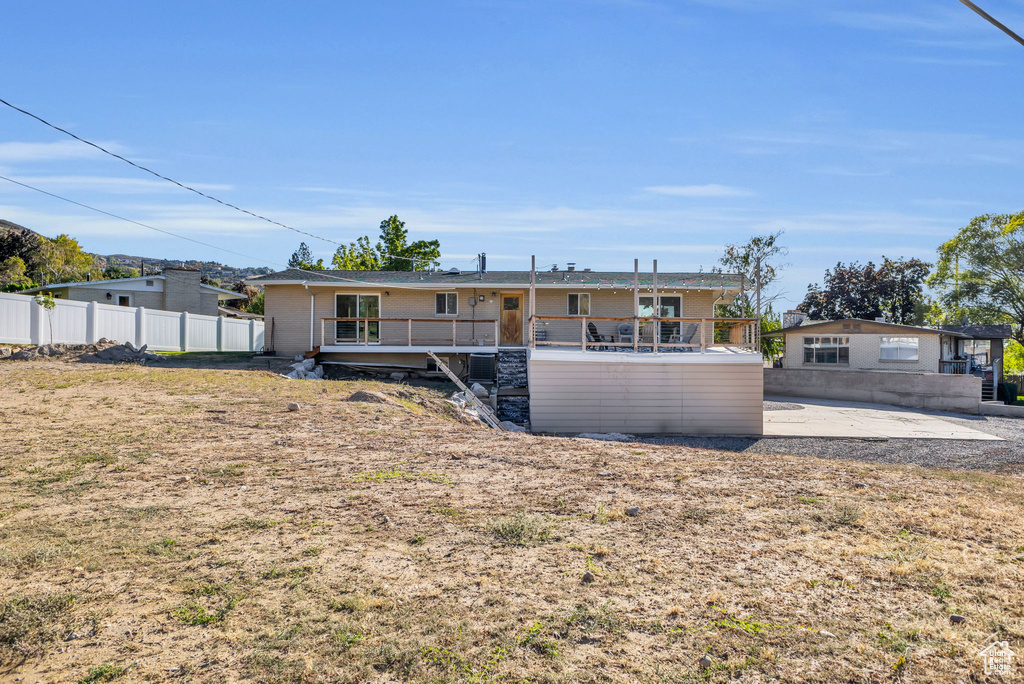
(603, 351)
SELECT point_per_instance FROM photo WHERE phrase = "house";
(858, 345)
(175, 289)
(592, 351)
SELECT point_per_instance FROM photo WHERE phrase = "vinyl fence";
(23, 321)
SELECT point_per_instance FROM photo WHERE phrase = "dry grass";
(180, 525)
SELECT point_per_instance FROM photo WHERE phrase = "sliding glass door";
(668, 307)
(357, 306)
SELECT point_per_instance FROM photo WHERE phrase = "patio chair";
(625, 332)
(594, 336)
(685, 336)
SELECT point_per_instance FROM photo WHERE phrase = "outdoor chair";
(685, 336)
(594, 336)
(625, 333)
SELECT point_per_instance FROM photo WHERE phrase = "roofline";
(94, 282)
(478, 284)
(234, 295)
(897, 326)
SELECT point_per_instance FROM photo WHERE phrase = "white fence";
(22, 321)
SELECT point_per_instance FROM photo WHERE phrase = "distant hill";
(226, 276)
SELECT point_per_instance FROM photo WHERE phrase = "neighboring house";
(175, 289)
(855, 344)
(603, 350)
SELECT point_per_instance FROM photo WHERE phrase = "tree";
(744, 259)
(47, 302)
(895, 290)
(397, 255)
(393, 252)
(14, 275)
(61, 260)
(980, 273)
(356, 256)
(15, 243)
(255, 304)
(115, 272)
(302, 259)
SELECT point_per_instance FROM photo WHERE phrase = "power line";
(188, 187)
(319, 274)
(992, 20)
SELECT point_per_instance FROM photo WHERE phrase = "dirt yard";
(180, 524)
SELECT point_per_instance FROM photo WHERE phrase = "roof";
(501, 278)
(110, 281)
(894, 326)
(980, 332)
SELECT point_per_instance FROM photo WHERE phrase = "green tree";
(115, 272)
(62, 260)
(356, 256)
(255, 304)
(302, 258)
(895, 289)
(980, 272)
(14, 275)
(766, 251)
(397, 254)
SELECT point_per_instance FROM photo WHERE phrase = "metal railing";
(648, 333)
(401, 332)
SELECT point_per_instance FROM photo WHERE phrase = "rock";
(512, 427)
(71, 637)
(299, 357)
(369, 397)
(293, 406)
(398, 376)
(606, 436)
(588, 577)
(479, 390)
(633, 511)
(862, 485)
(706, 661)
(5, 352)
(957, 619)
(827, 633)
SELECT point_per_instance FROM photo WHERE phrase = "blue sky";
(592, 131)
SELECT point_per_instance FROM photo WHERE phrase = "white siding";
(677, 396)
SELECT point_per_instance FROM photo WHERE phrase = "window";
(149, 283)
(357, 306)
(977, 351)
(446, 303)
(124, 300)
(898, 349)
(827, 350)
(579, 304)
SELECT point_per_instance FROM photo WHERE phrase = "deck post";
(583, 331)
(323, 332)
(366, 332)
(657, 309)
(532, 327)
(497, 331)
(410, 332)
(636, 305)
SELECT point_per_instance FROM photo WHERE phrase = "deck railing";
(953, 367)
(401, 331)
(647, 333)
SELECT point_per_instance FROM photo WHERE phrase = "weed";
(396, 474)
(194, 613)
(28, 622)
(312, 551)
(104, 673)
(345, 638)
(417, 540)
(164, 547)
(809, 499)
(441, 509)
(531, 639)
(941, 591)
(743, 624)
(520, 529)
(588, 620)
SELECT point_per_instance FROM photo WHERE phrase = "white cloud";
(709, 190)
(113, 185)
(61, 150)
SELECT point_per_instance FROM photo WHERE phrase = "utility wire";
(183, 185)
(319, 274)
(992, 20)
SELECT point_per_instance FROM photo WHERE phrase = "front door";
(511, 318)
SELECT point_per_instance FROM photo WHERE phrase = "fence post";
(220, 333)
(184, 331)
(92, 315)
(35, 318)
(252, 334)
(140, 327)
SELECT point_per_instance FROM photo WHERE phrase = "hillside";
(225, 275)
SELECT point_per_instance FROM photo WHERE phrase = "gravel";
(1002, 457)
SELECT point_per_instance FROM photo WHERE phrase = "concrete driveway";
(798, 417)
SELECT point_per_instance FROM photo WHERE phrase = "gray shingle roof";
(980, 332)
(473, 279)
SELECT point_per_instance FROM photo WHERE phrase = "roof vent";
(586, 270)
(571, 266)
(454, 271)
